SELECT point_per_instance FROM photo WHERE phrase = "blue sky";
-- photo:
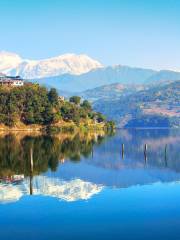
(144, 33)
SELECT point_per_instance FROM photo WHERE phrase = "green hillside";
(111, 91)
(32, 104)
(158, 106)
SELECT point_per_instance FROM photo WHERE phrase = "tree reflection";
(48, 152)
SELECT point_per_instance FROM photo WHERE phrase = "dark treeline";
(48, 152)
(33, 104)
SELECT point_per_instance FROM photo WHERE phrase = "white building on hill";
(11, 81)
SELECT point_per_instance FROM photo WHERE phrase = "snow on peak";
(67, 63)
(8, 61)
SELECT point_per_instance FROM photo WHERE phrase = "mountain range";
(13, 64)
(77, 73)
(131, 96)
(108, 75)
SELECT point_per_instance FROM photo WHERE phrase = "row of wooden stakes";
(145, 151)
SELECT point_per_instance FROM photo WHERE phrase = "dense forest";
(33, 104)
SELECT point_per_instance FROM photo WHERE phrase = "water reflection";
(23, 159)
(48, 152)
(135, 166)
(76, 168)
(161, 148)
(41, 185)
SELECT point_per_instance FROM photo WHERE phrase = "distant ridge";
(108, 75)
(156, 106)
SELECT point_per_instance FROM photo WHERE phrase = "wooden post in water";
(31, 172)
(145, 153)
(165, 155)
(31, 185)
(31, 159)
(92, 152)
(122, 150)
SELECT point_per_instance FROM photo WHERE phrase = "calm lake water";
(88, 188)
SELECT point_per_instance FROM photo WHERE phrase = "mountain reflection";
(22, 159)
(65, 190)
(77, 167)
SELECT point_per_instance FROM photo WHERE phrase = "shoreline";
(64, 128)
(146, 128)
(56, 128)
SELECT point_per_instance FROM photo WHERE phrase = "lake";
(121, 186)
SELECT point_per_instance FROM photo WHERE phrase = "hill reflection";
(48, 152)
(77, 167)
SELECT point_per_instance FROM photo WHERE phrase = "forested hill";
(33, 104)
(158, 106)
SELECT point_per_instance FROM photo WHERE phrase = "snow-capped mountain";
(77, 73)
(9, 61)
(12, 64)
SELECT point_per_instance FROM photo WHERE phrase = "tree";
(86, 104)
(75, 99)
(110, 125)
(53, 97)
(29, 117)
(48, 115)
(100, 117)
(56, 117)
